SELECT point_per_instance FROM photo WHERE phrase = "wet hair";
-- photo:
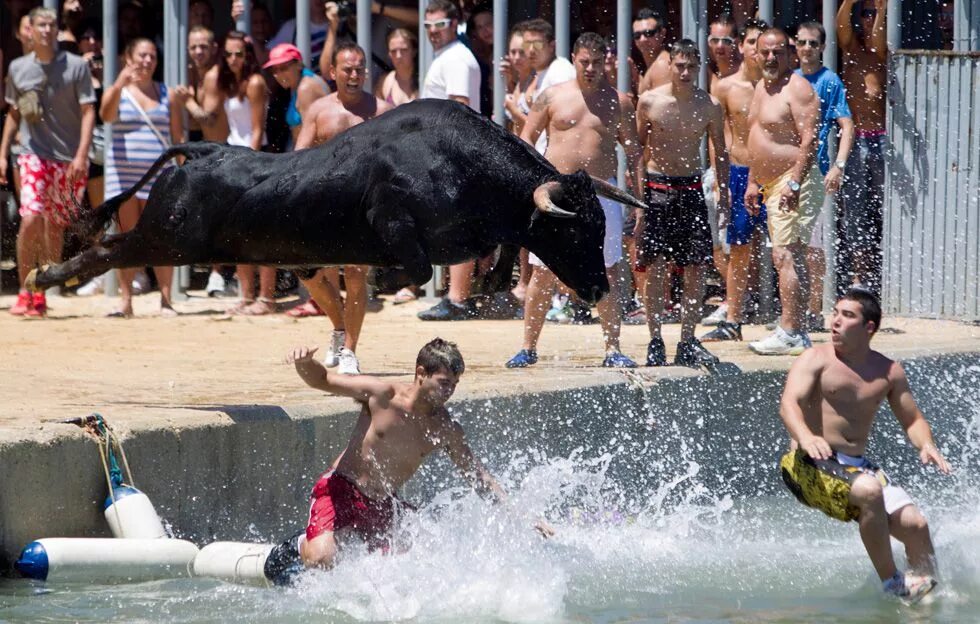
(685, 47)
(203, 30)
(439, 354)
(134, 43)
(226, 78)
(592, 42)
(645, 14)
(813, 25)
(446, 6)
(346, 45)
(543, 28)
(725, 19)
(41, 11)
(870, 307)
(752, 24)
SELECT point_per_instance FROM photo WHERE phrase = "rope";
(106, 439)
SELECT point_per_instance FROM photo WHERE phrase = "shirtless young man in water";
(828, 406)
(325, 118)
(585, 119)
(672, 120)
(399, 426)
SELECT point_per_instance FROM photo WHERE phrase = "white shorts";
(612, 244)
(719, 239)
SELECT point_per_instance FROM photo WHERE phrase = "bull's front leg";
(394, 225)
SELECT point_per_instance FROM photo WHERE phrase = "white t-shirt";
(454, 71)
(561, 70)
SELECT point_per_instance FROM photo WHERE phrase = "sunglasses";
(807, 43)
(728, 41)
(533, 45)
(869, 13)
(441, 24)
(649, 34)
(230, 54)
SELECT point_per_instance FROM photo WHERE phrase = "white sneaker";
(348, 363)
(720, 315)
(141, 283)
(332, 357)
(781, 342)
(95, 286)
(216, 285)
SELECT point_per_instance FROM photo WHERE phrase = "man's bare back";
(671, 129)
(583, 129)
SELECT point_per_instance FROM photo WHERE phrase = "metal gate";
(931, 239)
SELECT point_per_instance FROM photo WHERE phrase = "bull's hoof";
(31, 282)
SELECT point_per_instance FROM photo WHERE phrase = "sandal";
(310, 308)
(240, 306)
(404, 296)
(259, 307)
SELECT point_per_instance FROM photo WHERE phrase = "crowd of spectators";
(257, 90)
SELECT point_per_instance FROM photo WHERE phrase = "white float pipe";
(105, 560)
(236, 562)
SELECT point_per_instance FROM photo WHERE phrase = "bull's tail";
(97, 221)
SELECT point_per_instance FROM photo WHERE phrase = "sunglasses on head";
(721, 40)
(439, 24)
(649, 34)
(238, 54)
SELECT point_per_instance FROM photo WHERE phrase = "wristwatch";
(793, 186)
(840, 164)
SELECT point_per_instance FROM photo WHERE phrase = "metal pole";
(962, 25)
(562, 28)
(765, 11)
(830, 243)
(364, 29)
(499, 51)
(51, 4)
(244, 22)
(303, 29)
(624, 42)
(975, 26)
(894, 24)
(425, 59)
(110, 52)
(172, 46)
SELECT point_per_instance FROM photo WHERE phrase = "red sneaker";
(40, 307)
(24, 303)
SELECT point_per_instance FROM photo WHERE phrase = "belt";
(674, 187)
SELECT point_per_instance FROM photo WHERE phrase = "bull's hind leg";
(122, 251)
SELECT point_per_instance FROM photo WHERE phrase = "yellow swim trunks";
(793, 226)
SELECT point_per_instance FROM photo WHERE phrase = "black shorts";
(675, 223)
(195, 135)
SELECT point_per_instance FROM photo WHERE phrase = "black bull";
(428, 183)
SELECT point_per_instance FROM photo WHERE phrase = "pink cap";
(283, 53)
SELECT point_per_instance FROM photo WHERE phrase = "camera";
(346, 8)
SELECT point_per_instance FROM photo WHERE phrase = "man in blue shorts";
(811, 39)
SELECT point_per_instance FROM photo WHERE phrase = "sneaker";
(720, 315)
(616, 359)
(39, 306)
(141, 283)
(815, 323)
(691, 353)
(523, 359)
(447, 310)
(563, 315)
(656, 353)
(25, 301)
(216, 285)
(725, 332)
(781, 342)
(910, 588)
(348, 364)
(95, 286)
(332, 357)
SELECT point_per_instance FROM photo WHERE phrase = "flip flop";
(240, 306)
(310, 308)
(119, 314)
(404, 296)
(258, 308)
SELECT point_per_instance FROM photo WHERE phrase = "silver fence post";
(765, 11)
(53, 5)
(966, 23)
(425, 59)
(624, 43)
(894, 24)
(110, 52)
(171, 76)
(244, 22)
(562, 28)
(364, 32)
(183, 273)
(830, 245)
(303, 29)
(499, 51)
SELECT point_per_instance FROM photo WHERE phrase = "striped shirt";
(134, 145)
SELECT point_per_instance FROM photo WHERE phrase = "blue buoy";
(33, 561)
(119, 492)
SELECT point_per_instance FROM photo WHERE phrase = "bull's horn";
(542, 200)
(615, 193)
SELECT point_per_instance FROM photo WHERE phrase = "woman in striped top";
(133, 99)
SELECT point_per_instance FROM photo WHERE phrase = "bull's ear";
(615, 193)
(544, 203)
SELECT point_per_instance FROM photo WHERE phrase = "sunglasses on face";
(649, 34)
(533, 45)
(807, 43)
(441, 24)
(728, 41)
(230, 54)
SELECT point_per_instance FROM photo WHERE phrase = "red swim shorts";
(336, 504)
(46, 189)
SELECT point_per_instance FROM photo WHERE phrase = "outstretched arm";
(471, 467)
(358, 387)
(801, 382)
(916, 427)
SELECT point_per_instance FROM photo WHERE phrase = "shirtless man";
(399, 426)
(324, 119)
(864, 64)
(649, 33)
(672, 120)
(828, 406)
(722, 49)
(782, 146)
(585, 118)
(735, 94)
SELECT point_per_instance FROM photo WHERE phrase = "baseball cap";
(283, 53)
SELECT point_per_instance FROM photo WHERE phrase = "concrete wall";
(250, 480)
